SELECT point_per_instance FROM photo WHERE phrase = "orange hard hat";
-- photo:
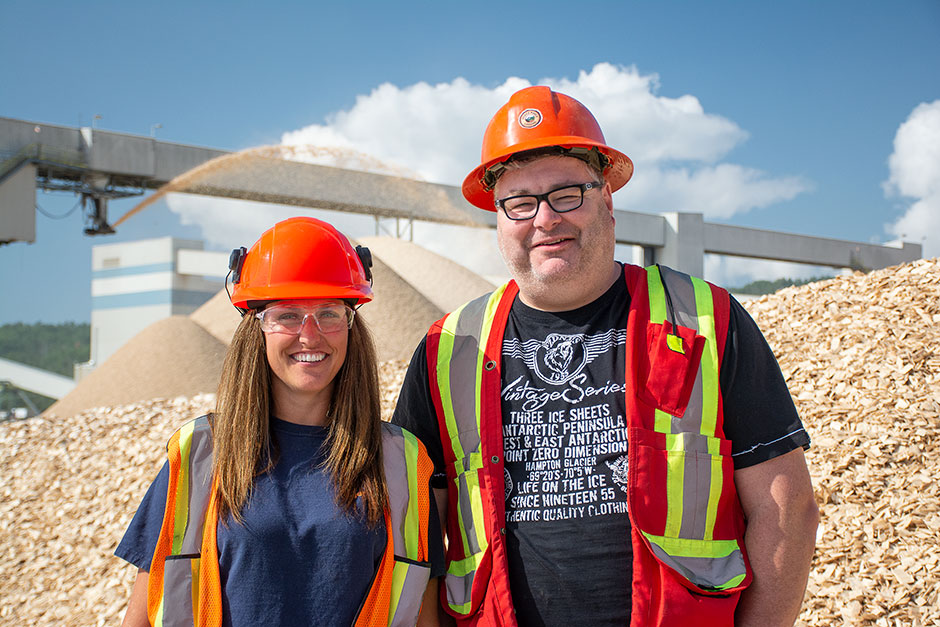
(300, 258)
(537, 117)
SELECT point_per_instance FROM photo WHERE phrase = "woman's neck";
(299, 408)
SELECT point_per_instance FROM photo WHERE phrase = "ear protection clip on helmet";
(235, 262)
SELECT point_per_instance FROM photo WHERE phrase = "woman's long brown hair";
(241, 424)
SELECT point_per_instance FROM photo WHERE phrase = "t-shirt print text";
(564, 432)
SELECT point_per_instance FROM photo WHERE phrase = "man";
(612, 445)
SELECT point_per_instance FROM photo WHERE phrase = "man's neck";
(569, 297)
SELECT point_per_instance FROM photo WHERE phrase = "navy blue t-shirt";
(297, 559)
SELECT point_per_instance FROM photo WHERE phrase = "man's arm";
(440, 497)
(781, 512)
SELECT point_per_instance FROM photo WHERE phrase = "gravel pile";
(861, 354)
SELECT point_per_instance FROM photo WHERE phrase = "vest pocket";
(684, 508)
(179, 573)
(668, 366)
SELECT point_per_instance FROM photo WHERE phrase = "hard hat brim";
(302, 290)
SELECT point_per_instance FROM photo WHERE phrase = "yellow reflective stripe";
(475, 497)
(705, 310)
(194, 569)
(412, 519)
(662, 422)
(158, 619)
(486, 327)
(675, 477)
(463, 608)
(399, 571)
(181, 513)
(714, 495)
(445, 352)
(657, 296)
(473, 478)
(683, 547)
(461, 568)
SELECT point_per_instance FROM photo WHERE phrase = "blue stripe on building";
(141, 299)
(107, 273)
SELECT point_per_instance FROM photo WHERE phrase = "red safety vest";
(689, 564)
(183, 587)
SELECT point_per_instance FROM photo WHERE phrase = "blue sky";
(796, 108)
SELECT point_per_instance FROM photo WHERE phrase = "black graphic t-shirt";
(565, 448)
(565, 445)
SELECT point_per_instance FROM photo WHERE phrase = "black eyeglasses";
(561, 200)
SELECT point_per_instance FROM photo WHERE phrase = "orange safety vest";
(183, 587)
(689, 564)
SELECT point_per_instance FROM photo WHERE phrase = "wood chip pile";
(862, 357)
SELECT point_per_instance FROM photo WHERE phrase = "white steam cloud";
(915, 173)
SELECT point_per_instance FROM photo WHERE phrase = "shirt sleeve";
(760, 418)
(415, 412)
(140, 540)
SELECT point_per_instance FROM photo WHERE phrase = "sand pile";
(446, 284)
(172, 357)
(861, 355)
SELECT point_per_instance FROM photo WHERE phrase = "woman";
(315, 512)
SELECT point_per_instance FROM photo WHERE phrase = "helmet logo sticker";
(530, 118)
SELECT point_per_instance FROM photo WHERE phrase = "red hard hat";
(300, 258)
(537, 117)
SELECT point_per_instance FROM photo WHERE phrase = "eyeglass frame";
(350, 316)
(539, 198)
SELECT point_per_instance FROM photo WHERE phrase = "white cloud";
(434, 132)
(719, 191)
(915, 173)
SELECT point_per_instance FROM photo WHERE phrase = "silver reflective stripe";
(705, 572)
(200, 485)
(178, 592)
(178, 571)
(466, 512)
(682, 294)
(399, 474)
(463, 370)
(458, 588)
(412, 593)
(393, 461)
(463, 367)
(696, 477)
